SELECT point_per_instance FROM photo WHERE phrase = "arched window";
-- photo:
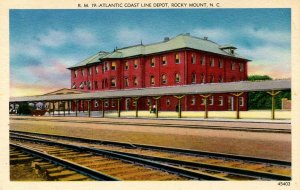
(220, 78)
(202, 78)
(164, 60)
(177, 58)
(135, 81)
(75, 73)
(113, 66)
(233, 66)
(203, 60)
(164, 79)
(241, 67)
(126, 65)
(193, 78)
(82, 72)
(212, 62)
(96, 69)
(135, 64)
(90, 70)
(193, 59)
(152, 81)
(126, 82)
(113, 82)
(212, 78)
(177, 78)
(152, 64)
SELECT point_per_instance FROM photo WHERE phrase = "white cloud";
(53, 38)
(215, 34)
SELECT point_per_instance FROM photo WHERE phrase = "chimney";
(205, 38)
(166, 39)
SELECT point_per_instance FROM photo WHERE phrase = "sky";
(44, 43)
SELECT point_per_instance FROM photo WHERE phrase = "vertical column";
(69, 107)
(273, 93)
(76, 107)
(64, 107)
(53, 106)
(237, 103)
(205, 104)
(156, 105)
(119, 110)
(179, 104)
(89, 107)
(136, 100)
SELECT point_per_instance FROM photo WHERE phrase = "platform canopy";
(242, 86)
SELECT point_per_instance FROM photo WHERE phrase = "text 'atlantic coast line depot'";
(177, 61)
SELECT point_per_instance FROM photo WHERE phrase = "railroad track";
(212, 127)
(226, 166)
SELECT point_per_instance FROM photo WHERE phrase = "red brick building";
(182, 60)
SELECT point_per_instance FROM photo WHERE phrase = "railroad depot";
(183, 73)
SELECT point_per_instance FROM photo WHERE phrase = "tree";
(24, 109)
(261, 100)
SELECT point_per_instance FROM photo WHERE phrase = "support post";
(136, 100)
(89, 107)
(156, 105)
(53, 106)
(103, 108)
(119, 110)
(237, 103)
(58, 107)
(273, 93)
(179, 104)
(69, 107)
(205, 104)
(76, 110)
(64, 108)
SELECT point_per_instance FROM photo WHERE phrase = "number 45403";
(287, 183)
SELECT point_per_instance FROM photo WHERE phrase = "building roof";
(242, 86)
(177, 42)
(64, 91)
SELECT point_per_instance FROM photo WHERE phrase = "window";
(89, 85)
(113, 103)
(126, 65)
(113, 66)
(241, 67)
(203, 60)
(211, 100)
(152, 64)
(75, 73)
(203, 101)
(241, 101)
(220, 78)
(126, 83)
(177, 78)
(152, 81)
(96, 84)
(164, 60)
(193, 78)
(193, 100)
(106, 103)
(212, 78)
(220, 63)
(177, 58)
(82, 72)
(90, 71)
(193, 59)
(233, 66)
(74, 85)
(168, 102)
(135, 64)
(135, 81)
(107, 66)
(96, 69)
(113, 82)
(81, 86)
(164, 79)
(212, 62)
(96, 104)
(221, 100)
(202, 78)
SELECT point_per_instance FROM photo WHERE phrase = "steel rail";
(153, 164)
(226, 169)
(67, 164)
(169, 149)
(213, 127)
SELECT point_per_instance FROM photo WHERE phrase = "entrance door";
(230, 103)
